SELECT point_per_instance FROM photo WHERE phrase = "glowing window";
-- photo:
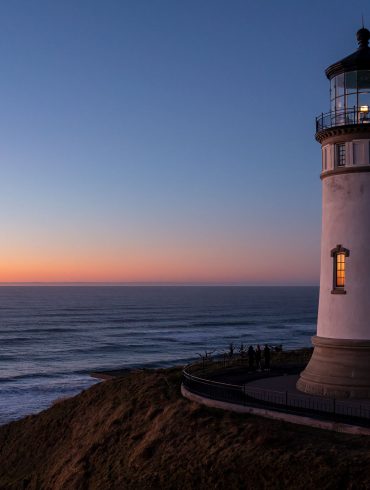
(340, 270)
(339, 255)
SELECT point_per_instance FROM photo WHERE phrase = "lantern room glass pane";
(332, 88)
(364, 99)
(339, 86)
(351, 82)
(363, 80)
(351, 101)
(339, 103)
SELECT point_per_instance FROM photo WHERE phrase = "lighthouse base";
(338, 368)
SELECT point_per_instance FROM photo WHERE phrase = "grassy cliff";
(137, 432)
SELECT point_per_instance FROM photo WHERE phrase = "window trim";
(325, 158)
(334, 253)
(340, 156)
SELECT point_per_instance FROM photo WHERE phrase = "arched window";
(339, 255)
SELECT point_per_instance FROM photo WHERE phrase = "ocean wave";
(224, 323)
(49, 335)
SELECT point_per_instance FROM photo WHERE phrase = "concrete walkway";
(287, 384)
(278, 383)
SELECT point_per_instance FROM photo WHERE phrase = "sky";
(165, 141)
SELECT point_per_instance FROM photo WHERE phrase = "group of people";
(255, 357)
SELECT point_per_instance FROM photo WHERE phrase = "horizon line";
(153, 283)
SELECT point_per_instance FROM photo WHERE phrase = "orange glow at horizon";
(160, 265)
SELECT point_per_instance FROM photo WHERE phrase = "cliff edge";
(137, 432)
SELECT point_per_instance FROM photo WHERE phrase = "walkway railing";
(341, 410)
(353, 115)
(217, 363)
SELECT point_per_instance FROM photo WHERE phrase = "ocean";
(52, 337)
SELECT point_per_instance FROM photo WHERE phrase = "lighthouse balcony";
(353, 116)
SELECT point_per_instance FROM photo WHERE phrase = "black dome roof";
(359, 60)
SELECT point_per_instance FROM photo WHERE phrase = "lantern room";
(349, 88)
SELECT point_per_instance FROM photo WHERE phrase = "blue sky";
(165, 140)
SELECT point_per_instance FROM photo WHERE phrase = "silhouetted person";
(251, 356)
(258, 358)
(231, 350)
(267, 356)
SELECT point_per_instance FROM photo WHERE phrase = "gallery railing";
(342, 410)
(353, 115)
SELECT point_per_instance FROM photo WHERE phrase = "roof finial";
(363, 36)
(362, 16)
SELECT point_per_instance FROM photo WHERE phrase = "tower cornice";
(345, 170)
(347, 132)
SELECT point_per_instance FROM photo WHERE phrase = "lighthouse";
(340, 363)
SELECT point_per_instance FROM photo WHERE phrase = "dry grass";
(60, 400)
(136, 432)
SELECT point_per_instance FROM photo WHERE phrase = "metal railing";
(353, 115)
(214, 389)
(318, 406)
(219, 362)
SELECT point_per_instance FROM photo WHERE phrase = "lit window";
(339, 255)
(340, 270)
(340, 154)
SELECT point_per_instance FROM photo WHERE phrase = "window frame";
(324, 158)
(339, 250)
(340, 155)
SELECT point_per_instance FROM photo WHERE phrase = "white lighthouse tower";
(340, 364)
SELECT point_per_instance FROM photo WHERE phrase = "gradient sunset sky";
(165, 140)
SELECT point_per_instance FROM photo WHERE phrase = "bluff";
(137, 432)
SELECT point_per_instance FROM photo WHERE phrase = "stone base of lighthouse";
(338, 368)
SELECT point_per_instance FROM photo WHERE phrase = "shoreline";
(113, 373)
(117, 373)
